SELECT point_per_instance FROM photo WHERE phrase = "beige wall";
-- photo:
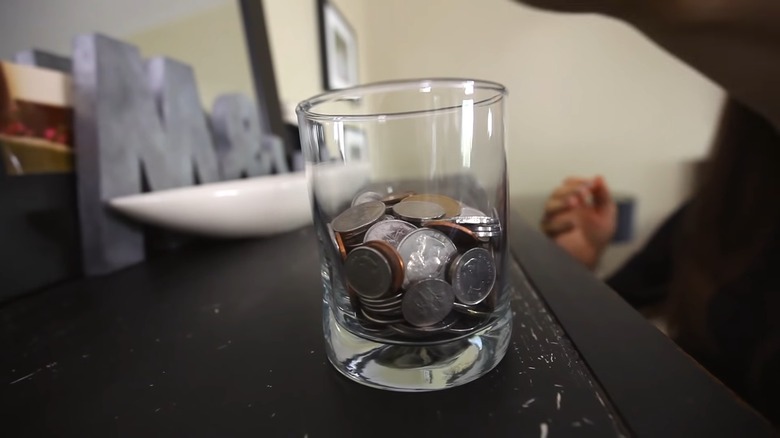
(587, 95)
(293, 34)
(212, 42)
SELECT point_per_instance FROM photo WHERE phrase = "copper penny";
(341, 246)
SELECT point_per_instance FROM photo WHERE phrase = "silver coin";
(418, 211)
(368, 272)
(427, 302)
(473, 276)
(381, 319)
(382, 307)
(470, 310)
(485, 237)
(494, 227)
(391, 231)
(359, 217)
(395, 311)
(485, 228)
(426, 253)
(364, 197)
(382, 301)
(465, 210)
(410, 330)
(465, 325)
(474, 220)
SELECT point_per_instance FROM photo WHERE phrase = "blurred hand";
(580, 216)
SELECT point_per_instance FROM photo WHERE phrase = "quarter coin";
(418, 211)
(355, 219)
(425, 253)
(390, 231)
(459, 234)
(368, 272)
(473, 276)
(427, 302)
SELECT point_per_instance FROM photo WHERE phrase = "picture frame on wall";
(355, 144)
(338, 47)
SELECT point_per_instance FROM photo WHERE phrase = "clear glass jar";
(409, 195)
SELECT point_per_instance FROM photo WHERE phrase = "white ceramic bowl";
(252, 207)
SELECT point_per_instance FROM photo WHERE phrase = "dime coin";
(390, 231)
(473, 276)
(451, 207)
(355, 219)
(368, 272)
(418, 211)
(364, 197)
(425, 253)
(427, 302)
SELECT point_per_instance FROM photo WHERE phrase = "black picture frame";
(338, 71)
(261, 62)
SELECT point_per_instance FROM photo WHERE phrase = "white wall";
(587, 95)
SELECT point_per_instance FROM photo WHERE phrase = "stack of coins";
(417, 265)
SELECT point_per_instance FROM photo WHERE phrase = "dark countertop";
(227, 340)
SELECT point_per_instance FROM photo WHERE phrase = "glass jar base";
(416, 368)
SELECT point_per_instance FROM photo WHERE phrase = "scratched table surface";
(227, 341)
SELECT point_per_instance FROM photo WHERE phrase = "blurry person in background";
(714, 265)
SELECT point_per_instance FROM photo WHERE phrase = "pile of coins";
(417, 264)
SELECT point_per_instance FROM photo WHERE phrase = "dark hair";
(730, 224)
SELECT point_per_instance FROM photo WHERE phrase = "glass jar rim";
(306, 107)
